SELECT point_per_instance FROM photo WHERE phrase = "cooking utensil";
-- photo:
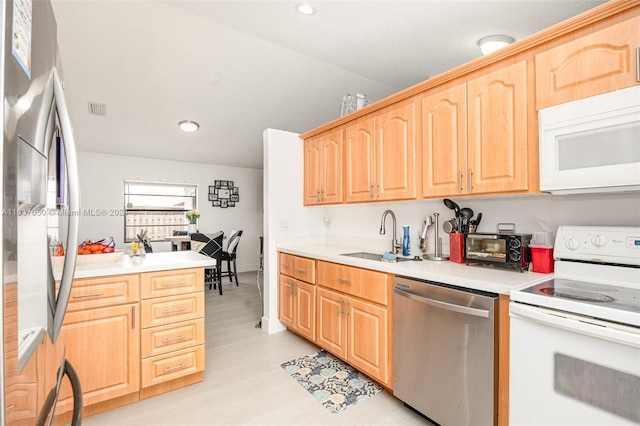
(473, 224)
(466, 214)
(456, 208)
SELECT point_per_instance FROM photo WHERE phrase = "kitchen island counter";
(152, 262)
(489, 279)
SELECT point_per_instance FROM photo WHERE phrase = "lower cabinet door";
(162, 368)
(103, 345)
(285, 300)
(305, 310)
(368, 339)
(332, 323)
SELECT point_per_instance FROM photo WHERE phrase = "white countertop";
(489, 279)
(149, 263)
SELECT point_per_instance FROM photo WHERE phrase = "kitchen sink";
(374, 256)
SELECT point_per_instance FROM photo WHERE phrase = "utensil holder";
(456, 247)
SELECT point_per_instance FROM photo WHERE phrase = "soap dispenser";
(406, 242)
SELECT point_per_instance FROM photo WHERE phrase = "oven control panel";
(606, 244)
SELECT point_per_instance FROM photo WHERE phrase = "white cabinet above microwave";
(591, 145)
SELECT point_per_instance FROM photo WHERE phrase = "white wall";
(284, 215)
(102, 186)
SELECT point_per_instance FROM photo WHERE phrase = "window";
(157, 207)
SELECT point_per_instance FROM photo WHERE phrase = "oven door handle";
(617, 333)
(444, 305)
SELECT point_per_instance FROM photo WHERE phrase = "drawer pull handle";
(344, 280)
(80, 296)
(301, 270)
(174, 284)
(284, 265)
(173, 339)
(177, 367)
(10, 407)
(171, 311)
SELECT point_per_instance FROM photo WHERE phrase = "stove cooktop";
(607, 302)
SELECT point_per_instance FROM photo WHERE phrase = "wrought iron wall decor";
(223, 194)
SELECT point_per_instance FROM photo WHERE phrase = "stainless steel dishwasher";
(443, 351)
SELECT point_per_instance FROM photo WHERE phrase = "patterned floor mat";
(332, 382)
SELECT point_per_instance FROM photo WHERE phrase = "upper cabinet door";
(312, 169)
(444, 142)
(599, 62)
(323, 169)
(332, 149)
(360, 161)
(396, 155)
(497, 131)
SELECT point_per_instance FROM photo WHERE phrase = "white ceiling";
(239, 67)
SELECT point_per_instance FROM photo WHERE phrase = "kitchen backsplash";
(533, 213)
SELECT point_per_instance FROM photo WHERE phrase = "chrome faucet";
(395, 245)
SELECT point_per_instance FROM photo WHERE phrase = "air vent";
(97, 109)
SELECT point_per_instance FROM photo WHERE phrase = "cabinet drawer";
(87, 293)
(171, 366)
(304, 269)
(167, 338)
(364, 283)
(286, 264)
(171, 309)
(167, 283)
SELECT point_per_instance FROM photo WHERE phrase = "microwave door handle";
(68, 270)
(482, 236)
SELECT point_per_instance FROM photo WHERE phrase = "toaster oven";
(501, 250)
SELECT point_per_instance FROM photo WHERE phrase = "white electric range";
(575, 339)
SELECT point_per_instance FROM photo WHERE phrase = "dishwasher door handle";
(444, 305)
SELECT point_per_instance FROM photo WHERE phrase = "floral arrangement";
(192, 215)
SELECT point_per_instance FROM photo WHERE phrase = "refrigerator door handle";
(69, 268)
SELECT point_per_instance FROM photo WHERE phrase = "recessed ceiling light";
(305, 9)
(492, 43)
(188, 126)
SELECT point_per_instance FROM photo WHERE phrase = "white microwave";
(591, 145)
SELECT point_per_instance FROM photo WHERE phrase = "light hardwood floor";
(244, 383)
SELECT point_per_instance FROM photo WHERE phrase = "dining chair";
(230, 255)
(210, 245)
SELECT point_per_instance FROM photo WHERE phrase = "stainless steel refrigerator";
(37, 197)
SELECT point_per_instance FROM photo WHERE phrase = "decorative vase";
(193, 228)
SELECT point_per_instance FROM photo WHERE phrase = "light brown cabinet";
(323, 168)
(102, 335)
(475, 135)
(380, 155)
(103, 345)
(297, 295)
(354, 319)
(24, 390)
(599, 62)
(172, 337)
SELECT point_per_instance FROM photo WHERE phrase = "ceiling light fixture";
(188, 126)
(305, 9)
(492, 43)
